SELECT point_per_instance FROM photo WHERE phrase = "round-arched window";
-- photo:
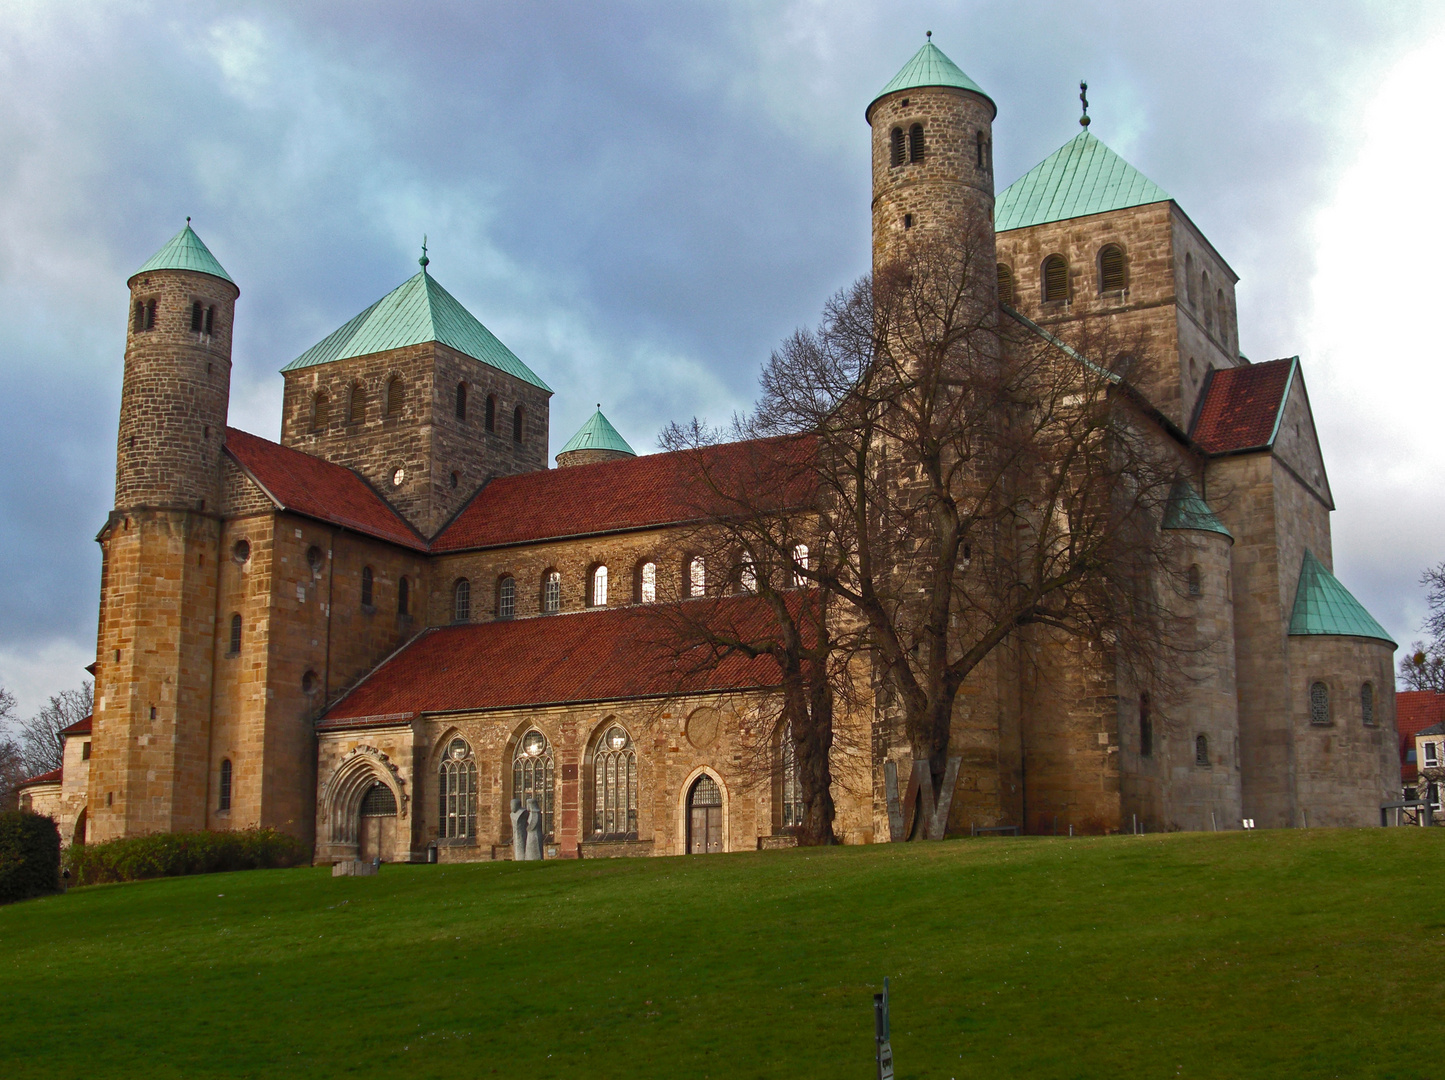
(1319, 703)
(1056, 278)
(462, 601)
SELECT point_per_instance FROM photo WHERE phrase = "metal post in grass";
(883, 1048)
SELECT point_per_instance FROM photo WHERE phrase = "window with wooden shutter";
(1056, 278)
(320, 412)
(1111, 269)
(356, 406)
(1005, 285)
(461, 401)
(895, 155)
(198, 317)
(394, 394)
(915, 143)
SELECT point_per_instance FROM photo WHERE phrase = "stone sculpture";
(519, 831)
(534, 830)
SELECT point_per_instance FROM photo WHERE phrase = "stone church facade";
(377, 631)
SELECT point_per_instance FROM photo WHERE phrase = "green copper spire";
(184, 251)
(1079, 178)
(929, 67)
(597, 434)
(1186, 510)
(1323, 606)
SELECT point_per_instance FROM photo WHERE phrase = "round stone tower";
(932, 158)
(177, 380)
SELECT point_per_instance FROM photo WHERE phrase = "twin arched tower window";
(909, 147)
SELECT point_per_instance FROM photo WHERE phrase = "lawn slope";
(1274, 954)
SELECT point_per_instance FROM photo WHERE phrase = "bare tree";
(39, 740)
(1423, 666)
(12, 770)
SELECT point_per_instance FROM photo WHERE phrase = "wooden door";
(704, 818)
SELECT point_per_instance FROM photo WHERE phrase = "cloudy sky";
(642, 199)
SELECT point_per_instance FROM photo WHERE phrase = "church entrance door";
(376, 831)
(704, 817)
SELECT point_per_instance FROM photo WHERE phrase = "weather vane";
(1084, 97)
(423, 260)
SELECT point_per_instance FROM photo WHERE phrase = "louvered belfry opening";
(1056, 278)
(895, 155)
(1111, 269)
(393, 397)
(915, 143)
(1005, 285)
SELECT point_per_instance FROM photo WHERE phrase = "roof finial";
(1084, 97)
(928, 34)
(188, 219)
(423, 260)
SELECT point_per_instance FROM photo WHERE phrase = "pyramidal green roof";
(1081, 177)
(1323, 606)
(929, 67)
(185, 251)
(1186, 510)
(416, 311)
(597, 434)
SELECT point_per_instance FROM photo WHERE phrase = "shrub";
(179, 853)
(29, 855)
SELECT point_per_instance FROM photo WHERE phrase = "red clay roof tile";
(51, 777)
(1415, 710)
(1241, 406)
(80, 727)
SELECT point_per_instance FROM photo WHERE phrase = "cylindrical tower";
(932, 159)
(177, 379)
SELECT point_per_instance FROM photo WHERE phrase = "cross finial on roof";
(423, 260)
(1084, 97)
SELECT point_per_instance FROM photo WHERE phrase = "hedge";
(29, 855)
(179, 853)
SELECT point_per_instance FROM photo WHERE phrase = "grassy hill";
(1314, 953)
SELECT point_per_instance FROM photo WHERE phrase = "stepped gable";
(637, 493)
(302, 484)
(611, 654)
(1240, 407)
(1415, 712)
(1080, 178)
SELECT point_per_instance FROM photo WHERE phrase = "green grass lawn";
(1315, 953)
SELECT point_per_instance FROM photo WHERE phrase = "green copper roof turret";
(1323, 606)
(1186, 510)
(597, 434)
(929, 67)
(1079, 178)
(184, 251)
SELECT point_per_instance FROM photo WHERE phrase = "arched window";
(403, 597)
(1319, 703)
(367, 591)
(895, 146)
(320, 411)
(1201, 749)
(614, 786)
(491, 412)
(800, 563)
(915, 143)
(314, 558)
(394, 395)
(507, 597)
(235, 634)
(696, 576)
(210, 323)
(1189, 277)
(1111, 268)
(1223, 312)
(517, 419)
(1367, 703)
(462, 600)
(457, 791)
(461, 401)
(356, 405)
(978, 147)
(1204, 296)
(647, 583)
(1005, 285)
(532, 775)
(198, 316)
(1056, 278)
(552, 591)
(1146, 728)
(224, 803)
(138, 322)
(597, 588)
(310, 682)
(1196, 587)
(792, 789)
(748, 575)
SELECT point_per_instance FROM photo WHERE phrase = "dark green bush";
(29, 856)
(179, 853)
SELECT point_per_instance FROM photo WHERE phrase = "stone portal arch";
(353, 777)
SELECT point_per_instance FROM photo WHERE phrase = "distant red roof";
(51, 777)
(319, 489)
(604, 655)
(634, 493)
(1415, 710)
(1241, 406)
(80, 727)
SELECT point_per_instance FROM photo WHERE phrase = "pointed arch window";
(552, 591)
(896, 146)
(532, 775)
(461, 404)
(224, 802)
(647, 583)
(597, 588)
(518, 421)
(614, 786)
(457, 791)
(491, 412)
(1056, 278)
(462, 601)
(915, 143)
(235, 649)
(1005, 285)
(368, 582)
(792, 788)
(507, 597)
(320, 411)
(356, 405)
(696, 576)
(395, 395)
(1112, 276)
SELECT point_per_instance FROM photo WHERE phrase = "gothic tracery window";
(792, 789)
(532, 775)
(614, 786)
(457, 790)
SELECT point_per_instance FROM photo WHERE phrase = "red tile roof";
(1241, 405)
(319, 489)
(51, 777)
(80, 727)
(604, 655)
(1415, 710)
(634, 493)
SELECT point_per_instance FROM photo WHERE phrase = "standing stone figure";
(519, 831)
(534, 830)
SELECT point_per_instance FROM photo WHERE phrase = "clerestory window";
(1056, 278)
(552, 591)
(368, 581)
(647, 583)
(1005, 285)
(1111, 268)
(462, 600)
(507, 597)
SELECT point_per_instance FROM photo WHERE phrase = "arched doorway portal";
(704, 817)
(376, 829)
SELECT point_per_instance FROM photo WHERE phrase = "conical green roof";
(929, 67)
(597, 434)
(1186, 510)
(184, 251)
(1081, 177)
(417, 311)
(1323, 606)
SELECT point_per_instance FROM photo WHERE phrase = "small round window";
(308, 683)
(241, 550)
(313, 558)
(458, 749)
(534, 744)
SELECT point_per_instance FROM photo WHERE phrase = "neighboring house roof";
(1322, 606)
(1079, 178)
(626, 494)
(1433, 729)
(1240, 408)
(306, 485)
(1415, 710)
(1186, 510)
(185, 251)
(80, 727)
(604, 655)
(929, 67)
(597, 434)
(51, 777)
(417, 311)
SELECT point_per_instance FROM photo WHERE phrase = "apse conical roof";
(185, 251)
(1186, 510)
(1079, 178)
(1323, 606)
(929, 67)
(597, 434)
